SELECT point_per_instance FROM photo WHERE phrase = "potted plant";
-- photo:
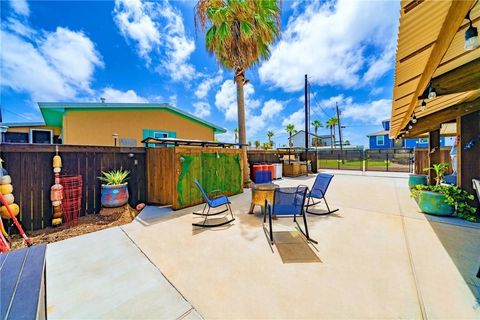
(114, 189)
(444, 200)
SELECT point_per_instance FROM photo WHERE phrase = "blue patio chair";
(287, 202)
(318, 192)
(216, 202)
(263, 176)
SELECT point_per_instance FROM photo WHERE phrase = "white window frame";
(30, 135)
(383, 140)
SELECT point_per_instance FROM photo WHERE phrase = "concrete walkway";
(380, 258)
(103, 275)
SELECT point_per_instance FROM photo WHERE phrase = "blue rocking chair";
(213, 203)
(318, 192)
(287, 202)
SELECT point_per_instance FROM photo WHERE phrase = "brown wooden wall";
(421, 160)
(30, 167)
(470, 157)
(160, 175)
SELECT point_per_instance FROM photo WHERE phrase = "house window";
(41, 136)
(380, 140)
(160, 134)
(16, 137)
(423, 140)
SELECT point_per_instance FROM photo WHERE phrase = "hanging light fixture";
(410, 126)
(423, 106)
(471, 35)
(432, 94)
(414, 118)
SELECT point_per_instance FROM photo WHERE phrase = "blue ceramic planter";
(415, 179)
(114, 196)
(434, 203)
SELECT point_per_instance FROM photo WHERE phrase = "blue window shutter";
(148, 134)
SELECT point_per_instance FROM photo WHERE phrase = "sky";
(139, 51)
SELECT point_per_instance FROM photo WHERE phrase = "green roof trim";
(53, 112)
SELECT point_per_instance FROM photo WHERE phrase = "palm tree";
(238, 33)
(236, 134)
(257, 144)
(316, 124)
(270, 135)
(290, 130)
(331, 123)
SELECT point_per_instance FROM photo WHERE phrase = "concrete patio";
(380, 258)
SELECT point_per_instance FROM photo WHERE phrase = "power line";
(318, 103)
(17, 114)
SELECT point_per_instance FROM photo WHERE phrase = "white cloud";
(73, 55)
(204, 87)
(20, 7)
(114, 95)
(297, 119)
(159, 33)
(173, 99)
(19, 28)
(202, 109)
(226, 99)
(380, 65)
(333, 44)
(368, 112)
(257, 123)
(57, 66)
(134, 21)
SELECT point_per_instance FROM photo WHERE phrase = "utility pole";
(306, 113)
(339, 129)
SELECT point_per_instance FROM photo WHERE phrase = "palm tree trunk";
(239, 79)
(331, 138)
(316, 137)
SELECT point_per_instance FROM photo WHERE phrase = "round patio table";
(260, 193)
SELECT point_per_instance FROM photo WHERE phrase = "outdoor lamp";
(423, 106)
(410, 126)
(414, 118)
(432, 94)
(471, 36)
(115, 137)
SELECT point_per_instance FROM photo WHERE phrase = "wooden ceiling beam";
(434, 120)
(461, 79)
(453, 21)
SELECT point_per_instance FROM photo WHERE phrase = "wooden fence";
(421, 159)
(30, 167)
(171, 173)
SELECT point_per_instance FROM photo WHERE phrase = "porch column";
(469, 161)
(433, 153)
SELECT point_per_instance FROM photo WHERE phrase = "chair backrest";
(476, 186)
(205, 196)
(263, 176)
(289, 200)
(321, 184)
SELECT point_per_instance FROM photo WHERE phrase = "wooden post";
(470, 145)
(433, 153)
(459, 152)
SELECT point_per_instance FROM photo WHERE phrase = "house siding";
(96, 127)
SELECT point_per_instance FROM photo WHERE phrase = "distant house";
(97, 123)
(30, 132)
(381, 140)
(298, 140)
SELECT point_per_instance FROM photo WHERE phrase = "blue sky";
(138, 51)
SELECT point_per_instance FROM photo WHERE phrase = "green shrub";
(114, 177)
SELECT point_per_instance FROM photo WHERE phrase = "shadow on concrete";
(462, 244)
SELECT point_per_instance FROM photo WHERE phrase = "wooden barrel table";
(260, 193)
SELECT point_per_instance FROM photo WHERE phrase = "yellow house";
(124, 124)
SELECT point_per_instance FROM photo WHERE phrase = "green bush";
(114, 177)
